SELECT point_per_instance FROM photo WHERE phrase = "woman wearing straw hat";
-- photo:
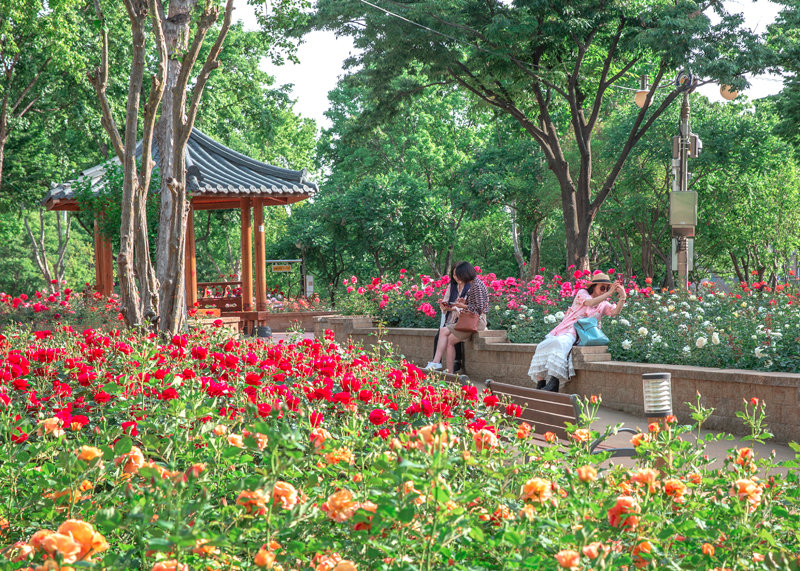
(551, 364)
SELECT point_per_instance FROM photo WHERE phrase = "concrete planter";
(489, 355)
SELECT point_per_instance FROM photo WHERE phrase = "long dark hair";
(465, 272)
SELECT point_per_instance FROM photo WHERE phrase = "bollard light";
(657, 389)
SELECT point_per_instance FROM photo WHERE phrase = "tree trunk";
(172, 133)
(144, 265)
(535, 259)
(515, 242)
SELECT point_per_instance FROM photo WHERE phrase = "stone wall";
(489, 355)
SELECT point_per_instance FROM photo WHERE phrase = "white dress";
(552, 357)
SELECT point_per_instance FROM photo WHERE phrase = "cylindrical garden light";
(657, 389)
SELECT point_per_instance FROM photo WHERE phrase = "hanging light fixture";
(728, 93)
(641, 96)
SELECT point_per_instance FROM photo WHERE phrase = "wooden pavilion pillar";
(191, 261)
(103, 263)
(247, 257)
(261, 264)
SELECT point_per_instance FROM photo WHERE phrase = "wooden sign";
(281, 268)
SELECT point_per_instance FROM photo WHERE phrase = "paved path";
(717, 449)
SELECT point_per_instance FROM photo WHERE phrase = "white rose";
(671, 307)
(625, 322)
(642, 331)
(626, 344)
(701, 342)
(560, 315)
(687, 349)
(715, 338)
(550, 318)
(758, 352)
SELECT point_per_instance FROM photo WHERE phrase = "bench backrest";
(545, 411)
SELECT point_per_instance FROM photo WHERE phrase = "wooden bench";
(549, 412)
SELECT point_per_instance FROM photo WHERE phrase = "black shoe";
(540, 384)
(552, 385)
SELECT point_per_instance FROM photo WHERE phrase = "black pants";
(459, 362)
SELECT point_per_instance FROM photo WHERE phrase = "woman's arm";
(592, 301)
(621, 301)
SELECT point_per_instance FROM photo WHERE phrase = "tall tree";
(38, 58)
(550, 66)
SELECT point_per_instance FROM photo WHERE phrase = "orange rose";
(236, 440)
(592, 551)
(345, 565)
(261, 439)
(60, 545)
(639, 438)
(675, 489)
(568, 559)
(342, 454)
(284, 493)
(133, 460)
(201, 548)
(52, 426)
(434, 437)
(340, 506)
(253, 501)
(644, 547)
(623, 513)
(587, 473)
(528, 512)
(523, 431)
(581, 435)
(264, 558)
(708, 549)
(537, 490)
(169, 565)
(485, 439)
(318, 437)
(36, 539)
(550, 437)
(648, 477)
(747, 490)
(84, 534)
(220, 430)
(88, 453)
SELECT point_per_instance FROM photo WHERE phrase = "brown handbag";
(467, 321)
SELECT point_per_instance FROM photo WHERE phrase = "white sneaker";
(433, 366)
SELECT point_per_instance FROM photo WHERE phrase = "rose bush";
(120, 450)
(753, 327)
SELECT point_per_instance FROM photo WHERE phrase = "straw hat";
(600, 278)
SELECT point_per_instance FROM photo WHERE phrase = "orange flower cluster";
(265, 557)
(332, 562)
(75, 540)
(131, 461)
(284, 494)
(485, 439)
(343, 454)
(254, 501)
(537, 490)
(523, 431)
(647, 477)
(318, 437)
(749, 490)
(434, 437)
(568, 559)
(676, 490)
(623, 513)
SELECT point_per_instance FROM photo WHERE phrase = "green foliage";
(103, 202)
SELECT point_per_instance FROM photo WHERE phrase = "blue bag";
(589, 333)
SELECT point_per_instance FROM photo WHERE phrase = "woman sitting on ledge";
(477, 301)
(550, 364)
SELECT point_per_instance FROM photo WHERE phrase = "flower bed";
(753, 327)
(118, 451)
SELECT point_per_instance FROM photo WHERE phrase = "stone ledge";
(698, 373)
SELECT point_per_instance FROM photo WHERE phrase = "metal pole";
(682, 243)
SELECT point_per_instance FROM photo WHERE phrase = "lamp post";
(683, 202)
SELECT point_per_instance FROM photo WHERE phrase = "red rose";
(378, 416)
